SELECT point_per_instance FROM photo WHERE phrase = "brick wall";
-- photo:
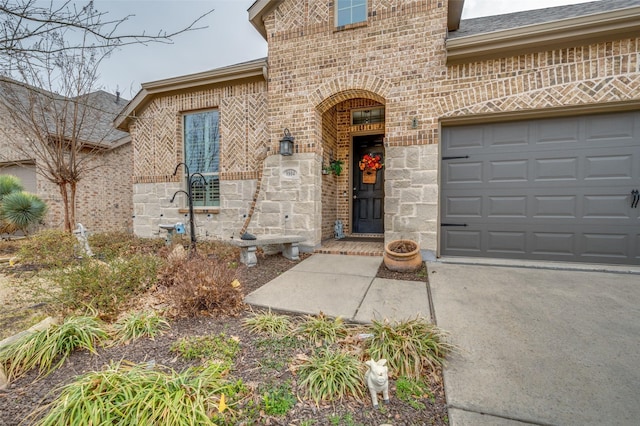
(104, 194)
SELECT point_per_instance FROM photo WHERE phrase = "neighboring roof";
(543, 29)
(250, 69)
(260, 8)
(99, 107)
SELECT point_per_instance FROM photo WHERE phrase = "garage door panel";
(463, 241)
(514, 134)
(565, 194)
(464, 207)
(507, 206)
(508, 171)
(561, 131)
(553, 243)
(609, 128)
(553, 169)
(604, 245)
(606, 207)
(506, 242)
(609, 167)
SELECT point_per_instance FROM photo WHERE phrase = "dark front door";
(368, 187)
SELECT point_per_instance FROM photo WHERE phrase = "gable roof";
(243, 70)
(100, 107)
(543, 29)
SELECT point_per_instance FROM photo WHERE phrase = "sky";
(229, 39)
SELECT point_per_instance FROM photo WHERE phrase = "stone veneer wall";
(158, 147)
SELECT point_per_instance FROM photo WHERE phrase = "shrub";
(49, 248)
(201, 286)
(408, 346)
(105, 287)
(269, 323)
(140, 395)
(330, 375)
(322, 329)
(111, 245)
(44, 348)
(137, 325)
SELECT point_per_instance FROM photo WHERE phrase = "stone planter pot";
(402, 256)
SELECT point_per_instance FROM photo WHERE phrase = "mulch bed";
(29, 392)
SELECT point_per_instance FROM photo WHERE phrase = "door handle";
(355, 196)
(635, 198)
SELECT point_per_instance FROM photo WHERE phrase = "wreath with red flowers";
(370, 161)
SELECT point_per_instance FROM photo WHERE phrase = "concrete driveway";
(539, 346)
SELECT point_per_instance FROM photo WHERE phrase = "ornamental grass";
(142, 394)
(48, 349)
(409, 346)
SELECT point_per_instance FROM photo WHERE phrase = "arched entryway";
(353, 125)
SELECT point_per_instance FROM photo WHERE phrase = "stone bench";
(249, 247)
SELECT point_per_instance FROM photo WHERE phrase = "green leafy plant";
(335, 167)
(49, 248)
(411, 390)
(408, 346)
(330, 375)
(48, 349)
(278, 400)
(269, 323)
(277, 351)
(321, 329)
(218, 347)
(106, 287)
(139, 324)
(142, 395)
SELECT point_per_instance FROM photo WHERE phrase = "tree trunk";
(65, 205)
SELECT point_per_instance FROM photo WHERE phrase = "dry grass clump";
(201, 286)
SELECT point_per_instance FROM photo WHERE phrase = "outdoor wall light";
(286, 143)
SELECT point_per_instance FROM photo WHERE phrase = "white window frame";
(339, 6)
(208, 165)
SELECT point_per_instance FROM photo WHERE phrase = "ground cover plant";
(263, 359)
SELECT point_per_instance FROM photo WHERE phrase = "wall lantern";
(286, 143)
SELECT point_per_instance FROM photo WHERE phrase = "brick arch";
(344, 88)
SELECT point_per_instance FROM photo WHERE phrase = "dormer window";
(350, 12)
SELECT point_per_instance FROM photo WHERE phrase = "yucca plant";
(330, 375)
(48, 349)
(20, 209)
(408, 346)
(269, 323)
(9, 184)
(139, 324)
(142, 395)
(321, 329)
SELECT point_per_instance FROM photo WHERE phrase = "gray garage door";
(554, 189)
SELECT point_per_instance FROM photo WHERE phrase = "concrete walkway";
(537, 346)
(343, 286)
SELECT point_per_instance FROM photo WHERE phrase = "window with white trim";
(350, 12)
(202, 155)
